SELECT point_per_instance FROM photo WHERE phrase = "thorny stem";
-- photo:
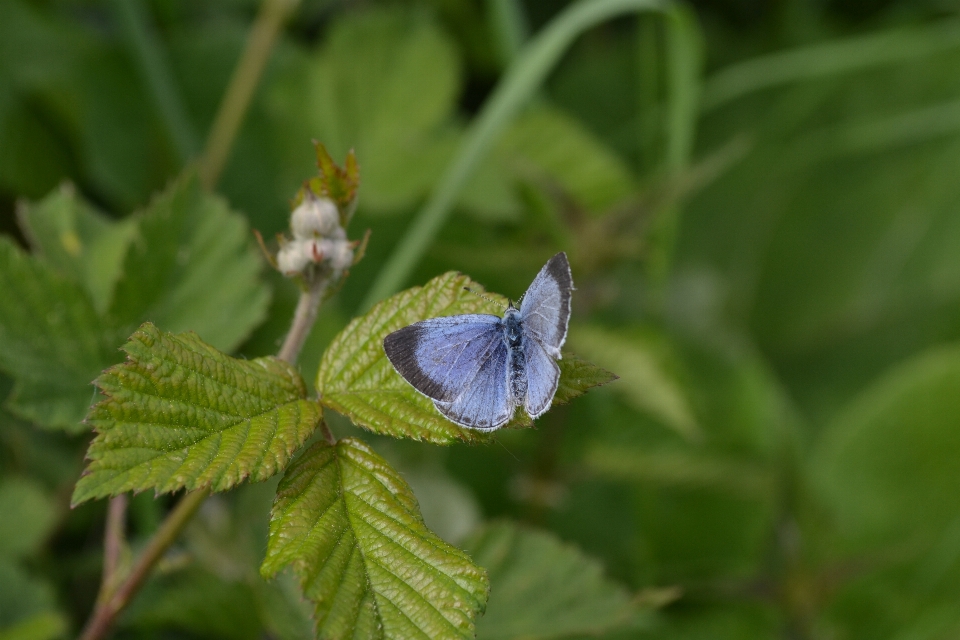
(236, 100)
(106, 611)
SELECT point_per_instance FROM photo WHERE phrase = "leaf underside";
(350, 527)
(357, 380)
(180, 414)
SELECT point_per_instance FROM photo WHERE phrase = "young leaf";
(180, 414)
(351, 528)
(51, 341)
(356, 378)
(192, 268)
(541, 588)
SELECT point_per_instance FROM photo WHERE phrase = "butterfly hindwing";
(486, 402)
(545, 309)
(439, 357)
(543, 377)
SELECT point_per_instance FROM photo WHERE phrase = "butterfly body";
(479, 368)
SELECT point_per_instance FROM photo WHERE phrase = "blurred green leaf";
(192, 267)
(51, 341)
(644, 380)
(42, 626)
(78, 241)
(198, 602)
(384, 83)
(351, 528)
(28, 516)
(541, 588)
(23, 599)
(180, 414)
(887, 465)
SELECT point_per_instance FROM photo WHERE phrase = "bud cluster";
(318, 241)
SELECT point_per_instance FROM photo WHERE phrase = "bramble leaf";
(542, 588)
(351, 528)
(51, 341)
(356, 378)
(192, 268)
(180, 414)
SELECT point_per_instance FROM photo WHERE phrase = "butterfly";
(479, 368)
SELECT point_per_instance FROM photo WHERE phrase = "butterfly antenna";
(480, 295)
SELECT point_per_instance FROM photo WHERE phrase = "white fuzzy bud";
(293, 258)
(315, 217)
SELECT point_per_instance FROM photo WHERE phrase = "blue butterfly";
(479, 368)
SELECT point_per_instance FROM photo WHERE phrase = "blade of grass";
(518, 84)
(842, 56)
(151, 58)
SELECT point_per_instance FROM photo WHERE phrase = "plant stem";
(236, 100)
(303, 319)
(106, 612)
(113, 536)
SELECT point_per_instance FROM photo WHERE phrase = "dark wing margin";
(440, 356)
(545, 309)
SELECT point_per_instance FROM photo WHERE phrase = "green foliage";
(351, 528)
(541, 588)
(357, 380)
(185, 263)
(28, 515)
(179, 414)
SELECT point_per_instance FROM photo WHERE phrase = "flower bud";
(315, 217)
(293, 258)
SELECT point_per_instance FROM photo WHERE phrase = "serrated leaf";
(192, 268)
(541, 588)
(356, 378)
(78, 241)
(180, 414)
(351, 528)
(51, 341)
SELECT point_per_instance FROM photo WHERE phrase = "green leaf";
(46, 625)
(351, 528)
(28, 515)
(541, 588)
(51, 341)
(356, 378)
(78, 241)
(646, 384)
(887, 466)
(192, 268)
(385, 82)
(179, 414)
(22, 597)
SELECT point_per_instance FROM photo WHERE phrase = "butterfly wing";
(543, 377)
(486, 403)
(441, 356)
(545, 310)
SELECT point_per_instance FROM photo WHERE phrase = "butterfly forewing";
(439, 357)
(545, 310)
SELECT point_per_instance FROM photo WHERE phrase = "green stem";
(519, 83)
(149, 54)
(106, 612)
(239, 93)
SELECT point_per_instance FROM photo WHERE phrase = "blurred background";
(761, 203)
